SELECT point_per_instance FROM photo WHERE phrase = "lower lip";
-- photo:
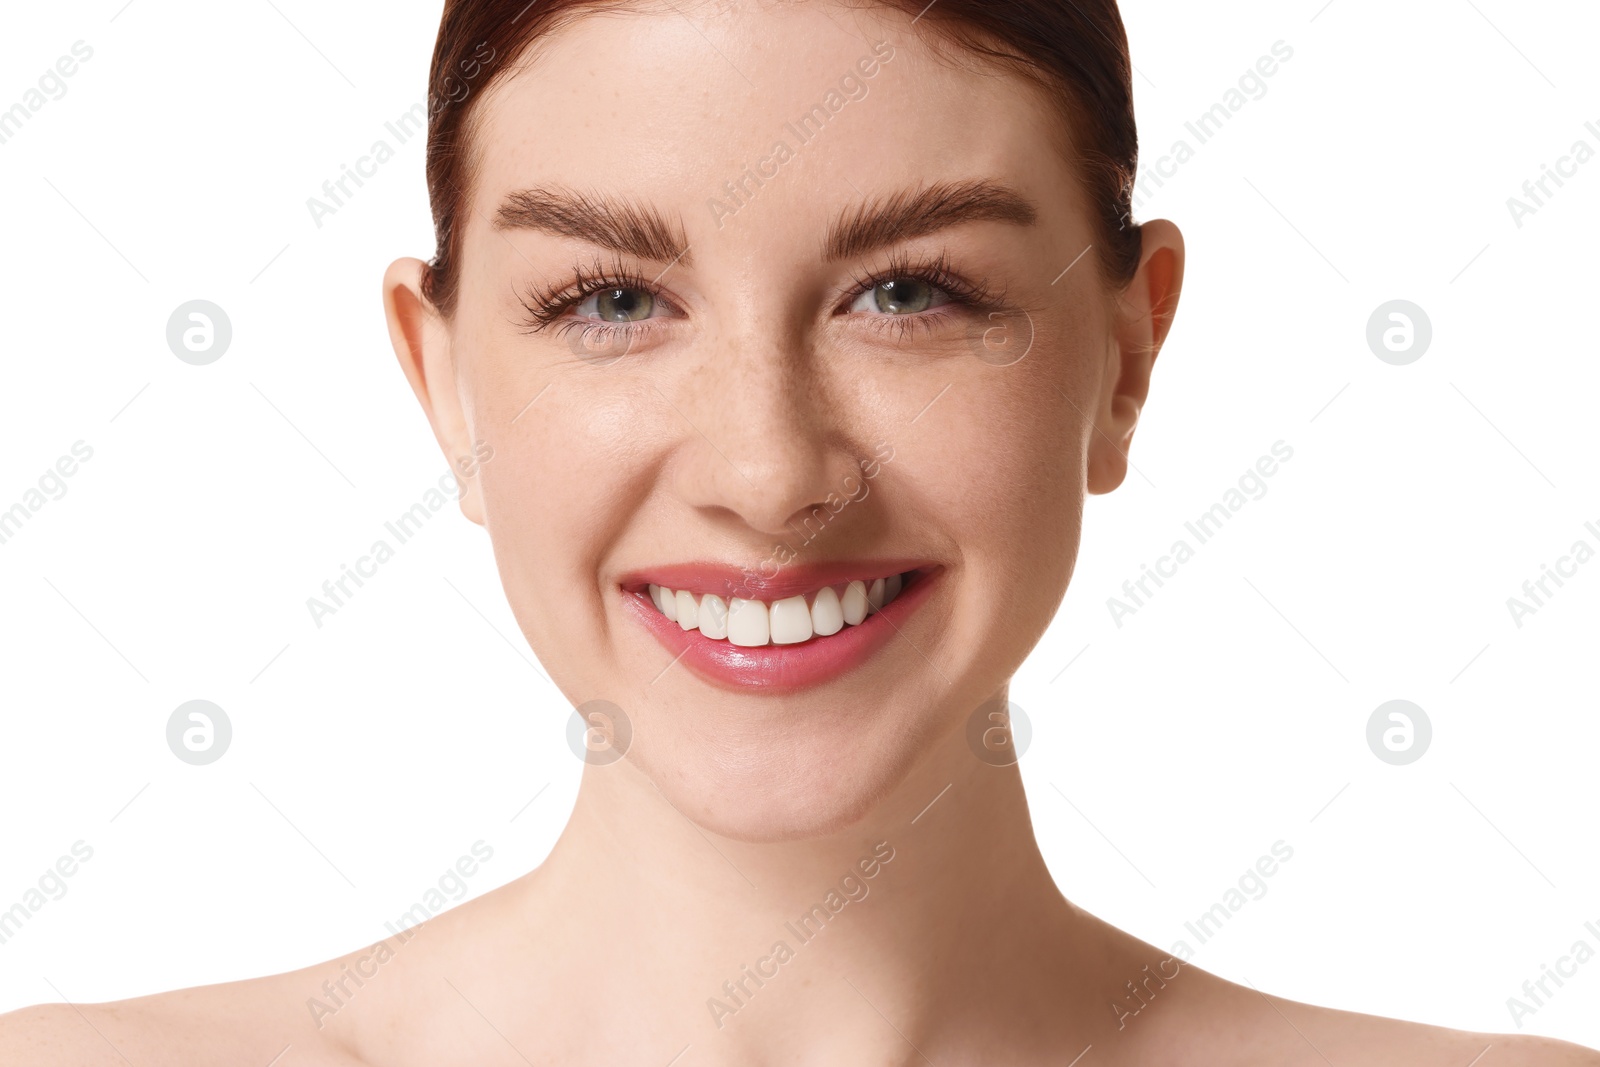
(783, 668)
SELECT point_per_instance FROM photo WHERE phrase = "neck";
(935, 907)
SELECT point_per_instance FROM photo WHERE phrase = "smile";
(802, 628)
(790, 621)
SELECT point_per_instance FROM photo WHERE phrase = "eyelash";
(964, 294)
(547, 306)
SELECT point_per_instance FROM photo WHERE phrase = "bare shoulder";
(1396, 1043)
(349, 1011)
(1287, 1031)
(249, 1021)
(1165, 1009)
(1546, 1052)
(1175, 1012)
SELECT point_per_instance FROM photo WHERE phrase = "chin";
(776, 783)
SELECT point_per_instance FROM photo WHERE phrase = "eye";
(900, 296)
(598, 295)
(616, 305)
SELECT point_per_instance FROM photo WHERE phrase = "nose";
(764, 445)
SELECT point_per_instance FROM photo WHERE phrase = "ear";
(1145, 310)
(421, 339)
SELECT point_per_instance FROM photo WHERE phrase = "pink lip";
(755, 584)
(776, 668)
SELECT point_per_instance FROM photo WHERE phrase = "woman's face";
(755, 303)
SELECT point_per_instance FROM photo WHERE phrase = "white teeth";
(854, 604)
(748, 625)
(790, 621)
(827, 617)
(713, 616)
(688, 610)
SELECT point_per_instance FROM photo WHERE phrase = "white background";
(1228, 713)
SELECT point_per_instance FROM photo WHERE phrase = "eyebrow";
(617, 224)
(917, 212)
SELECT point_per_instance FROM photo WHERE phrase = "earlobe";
(421, 339)
(1146, 307)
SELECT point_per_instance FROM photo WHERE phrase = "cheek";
(1004, 460)
(1003, 473)
(568, 461)
(570, 472)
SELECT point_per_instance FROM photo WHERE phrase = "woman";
(777, 345)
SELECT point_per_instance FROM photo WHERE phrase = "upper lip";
(758, 582)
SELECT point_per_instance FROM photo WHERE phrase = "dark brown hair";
(1076, 49)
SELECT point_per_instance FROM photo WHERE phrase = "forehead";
(823, 102)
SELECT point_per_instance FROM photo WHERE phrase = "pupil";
(624, 305)
(904, 296)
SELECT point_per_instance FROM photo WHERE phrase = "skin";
(731, 813)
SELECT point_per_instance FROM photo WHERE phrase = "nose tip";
(770, 478)
(762, 458)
